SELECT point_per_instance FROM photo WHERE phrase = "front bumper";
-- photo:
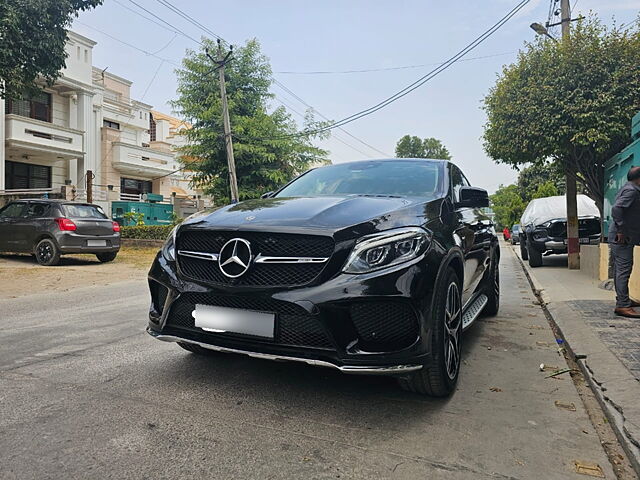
(328, 306)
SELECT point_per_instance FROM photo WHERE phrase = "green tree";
(547, 189)
(268, 147)
(33, 34)
(569, 102)
(530, 178)
(415, 147)
(508, 205)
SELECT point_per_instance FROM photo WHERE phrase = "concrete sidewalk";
(606, 347)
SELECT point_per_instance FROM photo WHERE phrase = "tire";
(535, 256)
(47, 252)
(492, 288)
(523, 250)
(193, 348)
(106, 257)
(439, 377)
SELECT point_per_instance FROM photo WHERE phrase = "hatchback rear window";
(84, 211)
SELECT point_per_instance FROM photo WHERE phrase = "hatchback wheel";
(47, 252)
(106, 257)
(438, 378)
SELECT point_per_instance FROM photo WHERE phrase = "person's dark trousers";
(622, 255)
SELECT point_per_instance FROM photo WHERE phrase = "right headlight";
(386, 249)
(169, 247)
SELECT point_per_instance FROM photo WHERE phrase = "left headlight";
(386, 249)
(169, 247)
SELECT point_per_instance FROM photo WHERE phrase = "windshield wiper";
(375, 195)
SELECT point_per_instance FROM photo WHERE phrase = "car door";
(10, 218)
(33, 223)
(474, 235)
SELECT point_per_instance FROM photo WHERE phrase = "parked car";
(544, 227)
(51, 228)
(515, 234)
(370, 267)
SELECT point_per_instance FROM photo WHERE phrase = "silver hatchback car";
(51, 228)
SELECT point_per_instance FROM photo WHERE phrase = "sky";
(339, 35)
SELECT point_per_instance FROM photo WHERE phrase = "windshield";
(84, 211)
(385, 178)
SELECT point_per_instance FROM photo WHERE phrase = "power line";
(176, 29)
(384, 69)
(422, 80)
(212, 33)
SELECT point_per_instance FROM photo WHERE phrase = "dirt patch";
(20, 275)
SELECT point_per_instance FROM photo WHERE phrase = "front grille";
(384, 326)
(586, 228)
(294, 326)
(266, 244)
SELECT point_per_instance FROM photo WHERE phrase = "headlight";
(386, 249)
(540, 234)
(169, 247)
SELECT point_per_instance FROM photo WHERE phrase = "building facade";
(87, 125)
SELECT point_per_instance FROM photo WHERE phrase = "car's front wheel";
(492, 288)
(523, 249)
(47, 252)
(535, 256)
(438, 378)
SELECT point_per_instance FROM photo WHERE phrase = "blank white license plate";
(96, 243)
(586, 241)
(233, 320)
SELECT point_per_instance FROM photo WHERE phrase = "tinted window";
(391, 178)
(83, 211)
(12, 210)
(37, 210)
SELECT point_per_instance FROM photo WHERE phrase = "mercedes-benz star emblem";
(235, 257)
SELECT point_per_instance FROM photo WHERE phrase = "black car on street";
(370, 267)
(49, 228)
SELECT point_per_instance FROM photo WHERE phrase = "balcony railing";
(142, 161)
(38, 135)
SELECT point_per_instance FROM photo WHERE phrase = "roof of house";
(175, 123)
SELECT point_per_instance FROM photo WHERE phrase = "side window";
(37, 210)
(12, 210)
(457, 181)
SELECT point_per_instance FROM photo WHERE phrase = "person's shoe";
(634, 304)
(627, 312)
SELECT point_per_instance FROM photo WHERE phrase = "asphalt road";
(85, 393)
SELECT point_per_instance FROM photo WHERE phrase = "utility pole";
(221, 61)
(573, 240)
(89, 183)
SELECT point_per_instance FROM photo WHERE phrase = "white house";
(88, 124)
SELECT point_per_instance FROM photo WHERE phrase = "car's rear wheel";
(438, 378)
(193, 348)
(492, 288)
(523, 250)
(535, 256)
(106, 256)
(47, 252)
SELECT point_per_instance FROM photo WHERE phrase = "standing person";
(506, 234)
(624, 234)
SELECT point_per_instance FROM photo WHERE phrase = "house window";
(152, 128)
(24, 175)
(135, 187)
(36, 106)
(110, 124)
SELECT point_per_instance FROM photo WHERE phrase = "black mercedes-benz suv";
(372, 267)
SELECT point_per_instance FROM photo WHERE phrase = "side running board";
(474, 310)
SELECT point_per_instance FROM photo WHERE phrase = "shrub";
(146, 232)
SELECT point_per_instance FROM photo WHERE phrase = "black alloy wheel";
(47, 252)
(439, 377)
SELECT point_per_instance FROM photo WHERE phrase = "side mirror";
(473, 197)
(267, 195)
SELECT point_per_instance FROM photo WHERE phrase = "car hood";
(352, 215)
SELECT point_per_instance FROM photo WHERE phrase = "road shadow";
(26, 260)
